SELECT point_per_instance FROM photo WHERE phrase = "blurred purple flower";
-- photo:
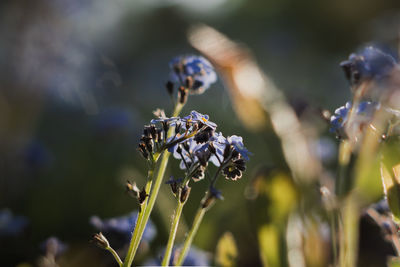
(200, 118)
(36, 155)
(53, 246)
(123, 226)
(363, 114)
(370, 63)
(11, 225)
(193, 72)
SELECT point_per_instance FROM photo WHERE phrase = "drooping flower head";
(192, 72)
(370, 63)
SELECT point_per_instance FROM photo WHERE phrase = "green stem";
(114, 253)
(172, 233)
(349, 233)
(135, 240)
(148, 206)
(177, 109)
(189, 239)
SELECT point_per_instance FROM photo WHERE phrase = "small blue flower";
(363, 113)
(237, 143)
(339, 118)
(113, 120)
(219, 142)
(11, 225)
(53, 246)
(370, 63)
(123, 226)
(188, 150)
(171, 121)
(200, 118)
(216, 193)
(195, 69)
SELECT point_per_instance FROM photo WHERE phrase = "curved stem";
(172, 233)
(114, 253)
(189, 239)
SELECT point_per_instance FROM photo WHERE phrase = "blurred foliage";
(226, 251)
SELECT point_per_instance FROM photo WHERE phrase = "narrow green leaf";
(391, 187)
(394, 262)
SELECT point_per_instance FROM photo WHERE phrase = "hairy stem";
(172, 233)
(148, 206)
(114, 253)
(189, 239)
(135, 240)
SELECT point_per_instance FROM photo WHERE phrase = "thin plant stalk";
(135, 236)
(148, 207)
(172, 233)
(189, 239)
(116, 257)
(349, 233)
(142, 208)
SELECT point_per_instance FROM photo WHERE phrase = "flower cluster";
(371, 64)
(194, 73)
(210, 146)
(155, 138)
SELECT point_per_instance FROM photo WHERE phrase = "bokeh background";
(79, 79)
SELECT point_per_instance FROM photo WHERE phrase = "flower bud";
(101, 241)
(184, 194)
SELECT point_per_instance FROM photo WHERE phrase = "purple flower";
(123, 226)
(186, 152)
(170, 121)
(53, 246)
(193, 72)
(11, 225)
(370, 63)
(339, 118)
(237, 143)
(363, 114)
(199, 118)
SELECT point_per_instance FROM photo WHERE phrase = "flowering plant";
(193, 140)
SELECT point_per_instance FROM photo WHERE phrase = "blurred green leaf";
(276, 197)
(391, 185)
(227, 253)
(394, 262)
